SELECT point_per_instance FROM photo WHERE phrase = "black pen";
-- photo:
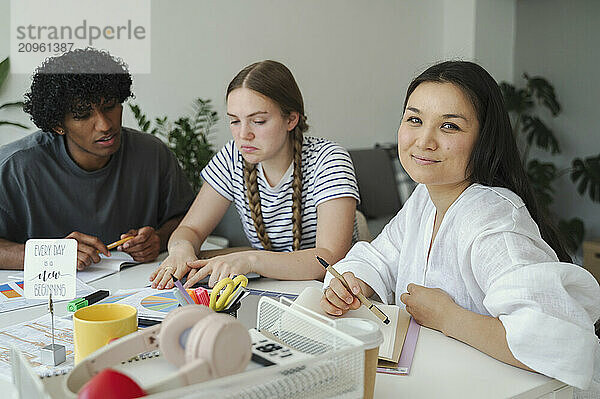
(90, 299)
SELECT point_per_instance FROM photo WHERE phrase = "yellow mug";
(96, 325)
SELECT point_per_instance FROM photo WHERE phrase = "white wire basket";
(335, 368)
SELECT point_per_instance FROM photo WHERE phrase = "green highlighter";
(79, 303)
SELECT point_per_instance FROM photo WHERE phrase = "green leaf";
(4, 67)
(572, 232)
(542, 175)
(586, 174)
(518, 101)
(142, 121)
(537, 131)
(186, 137)
(13, 124)
(544, 92)
(18, 104)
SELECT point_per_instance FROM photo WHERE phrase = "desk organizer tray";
(333, 367)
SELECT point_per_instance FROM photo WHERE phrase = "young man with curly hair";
(83, 175)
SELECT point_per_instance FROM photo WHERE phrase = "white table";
(442, 367)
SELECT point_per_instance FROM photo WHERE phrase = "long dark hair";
(495, 159)
(275, 81)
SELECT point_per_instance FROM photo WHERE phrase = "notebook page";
(106, 266)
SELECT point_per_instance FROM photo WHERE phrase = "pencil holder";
(232, 311)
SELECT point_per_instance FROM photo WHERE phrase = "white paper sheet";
(32, 335)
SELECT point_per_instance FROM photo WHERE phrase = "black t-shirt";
(45, 194)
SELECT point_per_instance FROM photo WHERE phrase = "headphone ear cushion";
(177, 324)
(195, 340)
(223, 342)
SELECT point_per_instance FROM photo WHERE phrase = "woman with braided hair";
(296, 195)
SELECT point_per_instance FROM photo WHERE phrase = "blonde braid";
(297, 189)
(250, 179)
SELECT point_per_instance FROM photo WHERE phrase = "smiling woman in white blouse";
(470, 253)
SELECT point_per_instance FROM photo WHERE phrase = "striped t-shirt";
(327, 173)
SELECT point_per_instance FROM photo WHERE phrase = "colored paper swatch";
(8, 291)
(162, 302)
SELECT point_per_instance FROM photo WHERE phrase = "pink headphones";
(194, 338)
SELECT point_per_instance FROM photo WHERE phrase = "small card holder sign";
(50, 266)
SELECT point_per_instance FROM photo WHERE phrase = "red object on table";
(202, 295)
(111, 384)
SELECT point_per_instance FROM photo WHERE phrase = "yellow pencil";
(117, 243)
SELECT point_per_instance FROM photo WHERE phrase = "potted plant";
(523, 105)
(4, 67)
(187, 137)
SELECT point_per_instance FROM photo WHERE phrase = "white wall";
(482, 31)
(459, 29)
(352, 58)
(559, 41)
(14, 86)
(495, 37)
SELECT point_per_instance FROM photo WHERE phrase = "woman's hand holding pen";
(337, 300)
(88, 249)
(430, 307)
(219, 267)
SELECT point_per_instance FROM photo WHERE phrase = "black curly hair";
(73, 82)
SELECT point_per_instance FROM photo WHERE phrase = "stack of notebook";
(394, 333)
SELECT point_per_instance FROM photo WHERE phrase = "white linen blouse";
(488, 255)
